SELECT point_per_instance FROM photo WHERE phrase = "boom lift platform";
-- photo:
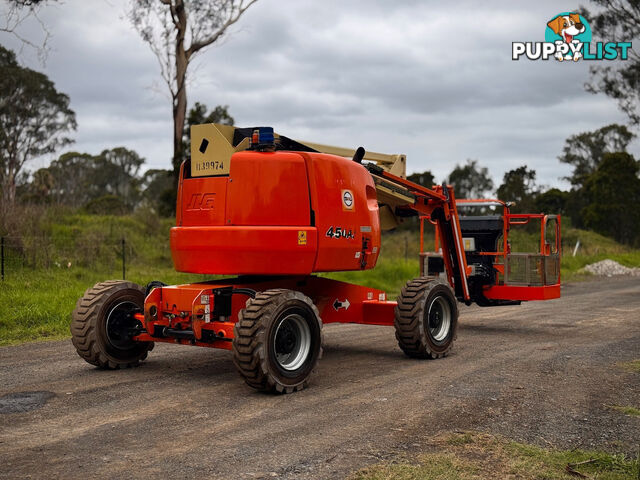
(274, 211)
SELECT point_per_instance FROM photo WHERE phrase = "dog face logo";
(567, 26)
(568, 31)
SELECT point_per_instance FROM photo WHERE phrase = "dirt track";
(541, 373)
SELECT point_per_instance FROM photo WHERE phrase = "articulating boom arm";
(400, 197)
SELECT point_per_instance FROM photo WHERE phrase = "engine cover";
(277, 213)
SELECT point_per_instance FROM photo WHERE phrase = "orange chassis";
(190, 315)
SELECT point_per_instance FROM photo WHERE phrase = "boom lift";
(274, 211)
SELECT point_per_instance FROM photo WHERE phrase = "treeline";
(605, 185)
(111, 182)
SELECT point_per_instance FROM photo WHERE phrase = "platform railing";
(532, 269)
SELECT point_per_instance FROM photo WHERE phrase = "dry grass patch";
(632, 411)
(473, 456)
(632, 366)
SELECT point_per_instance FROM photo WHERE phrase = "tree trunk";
(9, 189)
(180, 95)
(179, 114)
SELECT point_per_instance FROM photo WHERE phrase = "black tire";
(99, 323)
(426, 318)
(278, 341)
(151, 285)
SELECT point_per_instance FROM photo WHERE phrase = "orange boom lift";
(273, 212)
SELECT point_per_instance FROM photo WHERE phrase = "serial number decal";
(209, 165)
(339, 232)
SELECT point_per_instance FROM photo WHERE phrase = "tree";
(613, 191)
(518, 186)
(157, 186)
(176, 31)
(71, 179)
(198, 115)
(552, 201)
(41, 185)
(426, 178)
(76, 179)
(619, 21)
(125, 165)
(585, 150)
(34, 120)
(470, 180)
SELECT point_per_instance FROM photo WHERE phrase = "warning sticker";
(302, 237)
(347, 200)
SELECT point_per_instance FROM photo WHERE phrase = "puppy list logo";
(568, 37)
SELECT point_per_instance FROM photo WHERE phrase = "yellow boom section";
(392, 163)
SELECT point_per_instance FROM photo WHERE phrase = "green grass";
(631, 411)
(389, 275)
(37, 304)
(469, 456)
(91, 241)
(431, 467)
(632, 366)
(593, 248)
(50, 267)
(591, 243)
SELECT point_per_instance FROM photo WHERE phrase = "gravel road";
(543, 372)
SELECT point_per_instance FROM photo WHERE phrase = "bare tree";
(176, 30)
(14, 13)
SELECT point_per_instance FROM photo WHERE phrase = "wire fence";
(20, 254)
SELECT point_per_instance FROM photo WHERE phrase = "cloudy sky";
(426, 79)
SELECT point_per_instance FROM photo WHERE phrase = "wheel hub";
(435, 319)
(286, 340)
(439, 319)
(292, 342)
(120, 323)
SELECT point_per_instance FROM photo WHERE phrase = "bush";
(106, 205)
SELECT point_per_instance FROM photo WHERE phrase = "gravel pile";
(609, 268)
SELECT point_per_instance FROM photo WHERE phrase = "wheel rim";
(119, 323)
(439, 319)
(292, 342)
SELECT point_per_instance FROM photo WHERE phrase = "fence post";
(2, 256)
(406, 249)
(123, 260)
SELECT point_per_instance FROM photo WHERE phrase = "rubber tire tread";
(84, 334)
(249, 349)
(409, 318)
